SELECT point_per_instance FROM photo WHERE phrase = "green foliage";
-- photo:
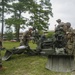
(41, 12)
(4, 7)
(9, 34)
(50, 34)
(16, 19)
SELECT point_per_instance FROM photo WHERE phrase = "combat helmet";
(58, 20)
(68, 24)
(30, 28)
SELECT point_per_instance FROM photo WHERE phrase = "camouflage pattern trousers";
(69, 47)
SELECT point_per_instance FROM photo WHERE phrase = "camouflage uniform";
(26, 37)
(74, 43)
(69, 37)
(60, 24)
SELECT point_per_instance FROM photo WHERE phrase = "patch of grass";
(26, 65)
(9, 45)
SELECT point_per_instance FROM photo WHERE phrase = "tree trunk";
(17, 32)
(2, 18)
(18, 28)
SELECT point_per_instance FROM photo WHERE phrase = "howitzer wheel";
(61, 63)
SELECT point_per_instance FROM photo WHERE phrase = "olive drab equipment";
(59, 59)
(23, 48)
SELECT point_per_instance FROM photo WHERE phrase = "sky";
(64, 10)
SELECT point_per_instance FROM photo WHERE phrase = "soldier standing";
(74, 43)
(26, 37)
(25, 40)
(58, 21)
(69, 28)
(60, 24)
(69, 36)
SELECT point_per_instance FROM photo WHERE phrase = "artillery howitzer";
(58, 58)
(21, 49)
(17, 50)
(55, 48)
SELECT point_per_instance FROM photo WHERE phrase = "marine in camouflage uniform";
(60, 24)
(26, 37)
(25, 41)
(74, 43)
(69, 37)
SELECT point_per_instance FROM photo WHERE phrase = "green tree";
(9, 34)
(16, 20)
(41, 13)
(16, 23)
(4, 5)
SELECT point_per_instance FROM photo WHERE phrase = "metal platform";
(61, 63)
